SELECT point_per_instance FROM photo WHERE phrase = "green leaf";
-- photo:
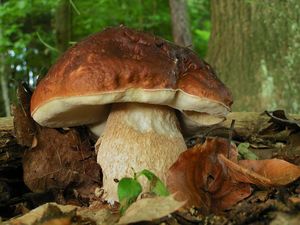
(128, 191)
(156, 185)
(202, 34)
(245, 153)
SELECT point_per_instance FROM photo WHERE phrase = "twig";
(74, 7)
(44, 43)
(230, 137)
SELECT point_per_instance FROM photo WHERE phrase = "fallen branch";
(248, 127)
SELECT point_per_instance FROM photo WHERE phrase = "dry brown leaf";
(61, 160)
(100, 216)
(34, 142)
(269, 172)
(24, 126)
(230, 194)
(294, 200)
(52, 214)
(37, 213)
(148, 209)
(57, 159)
(242, 174)
(207, 179)
(280, 172)
(281, 218)
(200, 178)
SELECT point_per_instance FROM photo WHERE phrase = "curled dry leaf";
(200, 178)
(279, 122)
(24, 126)
(52, 213)
(268, 172)
(61, 161)
(207, 179)
(56, 159)
(100, 216)
(36, 214)
(294, 200)
(148, 209)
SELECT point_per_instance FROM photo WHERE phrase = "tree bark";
(3, 81)
(180, 23)
(4, 90)
(254, 48)
(63, 25)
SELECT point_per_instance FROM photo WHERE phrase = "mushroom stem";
(138, 136)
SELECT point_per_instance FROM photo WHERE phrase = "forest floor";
(266, 136)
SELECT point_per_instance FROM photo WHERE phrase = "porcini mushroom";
(126, 85)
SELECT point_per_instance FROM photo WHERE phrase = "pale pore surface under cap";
(81, 110)
(138, 136)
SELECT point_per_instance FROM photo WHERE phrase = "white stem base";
(136, 137)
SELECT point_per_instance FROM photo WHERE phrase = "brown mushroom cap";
(123, 65)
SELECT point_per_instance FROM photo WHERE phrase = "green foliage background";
(26, 25)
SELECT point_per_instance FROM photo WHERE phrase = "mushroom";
(128, 87)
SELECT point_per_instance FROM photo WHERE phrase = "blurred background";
(254, 45)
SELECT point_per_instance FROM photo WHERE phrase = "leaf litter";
(213, 183)
(215, 187)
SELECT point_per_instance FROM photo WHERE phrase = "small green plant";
(130, 188)
(245, 153)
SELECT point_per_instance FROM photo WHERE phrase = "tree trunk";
(4, 89)
(3, 81)
(63, 24)
(180, 23)
(254, 48)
